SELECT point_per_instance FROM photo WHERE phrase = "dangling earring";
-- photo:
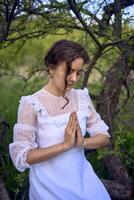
(51, 75)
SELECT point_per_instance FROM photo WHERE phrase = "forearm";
(96, 141)
(43, 154)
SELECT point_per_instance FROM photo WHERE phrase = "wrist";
(84, 143)
(65, 146)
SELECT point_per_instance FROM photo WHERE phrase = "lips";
(70, 84)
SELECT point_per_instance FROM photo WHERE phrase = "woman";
(49, 133)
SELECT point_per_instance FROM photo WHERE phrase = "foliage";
(13, 87)
(22, 72)
(123, 148)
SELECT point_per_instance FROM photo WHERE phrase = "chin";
(69, 88)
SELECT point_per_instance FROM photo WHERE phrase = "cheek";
(68, 76)
(60, 78)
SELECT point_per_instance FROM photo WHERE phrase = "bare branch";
(73, 6)
(109, 10)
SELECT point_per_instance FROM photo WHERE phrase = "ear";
(50, 69)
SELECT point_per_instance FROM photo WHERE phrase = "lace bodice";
(44, 104)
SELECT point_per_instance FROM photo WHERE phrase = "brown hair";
(64, 50)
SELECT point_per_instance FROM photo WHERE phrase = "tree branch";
(109, 10)
(73, 6)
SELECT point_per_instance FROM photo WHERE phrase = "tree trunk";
(3, 192)
(4, 125)
(120, 186)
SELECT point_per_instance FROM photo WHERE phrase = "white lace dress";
(41, 123)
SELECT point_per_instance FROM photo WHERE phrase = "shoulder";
(82, 92)
(28, 102)
(29, 99)
(32, 102)
(83, 95)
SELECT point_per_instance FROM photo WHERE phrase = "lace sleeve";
(95, 125)
(24, 132)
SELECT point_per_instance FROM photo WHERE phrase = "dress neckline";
(58, 97)
(61, 115)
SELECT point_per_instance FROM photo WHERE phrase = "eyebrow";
(78, 70)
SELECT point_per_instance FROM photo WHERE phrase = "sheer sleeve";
(95, 125)
(24, 132)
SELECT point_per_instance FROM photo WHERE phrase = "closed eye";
(81, 72)
(78, 73)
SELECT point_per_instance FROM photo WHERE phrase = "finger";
(74, 128)
(78, 125)
(79, 132)
(71, 118)
(69, 123)
(77, 139)
(77, 119)
(73, 123)
(71, 115)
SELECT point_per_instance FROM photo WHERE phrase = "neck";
(50, 87)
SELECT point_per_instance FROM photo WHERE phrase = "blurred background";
(105, 28)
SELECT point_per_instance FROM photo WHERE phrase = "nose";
(73, 77)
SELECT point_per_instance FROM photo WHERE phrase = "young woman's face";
(60, 72)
